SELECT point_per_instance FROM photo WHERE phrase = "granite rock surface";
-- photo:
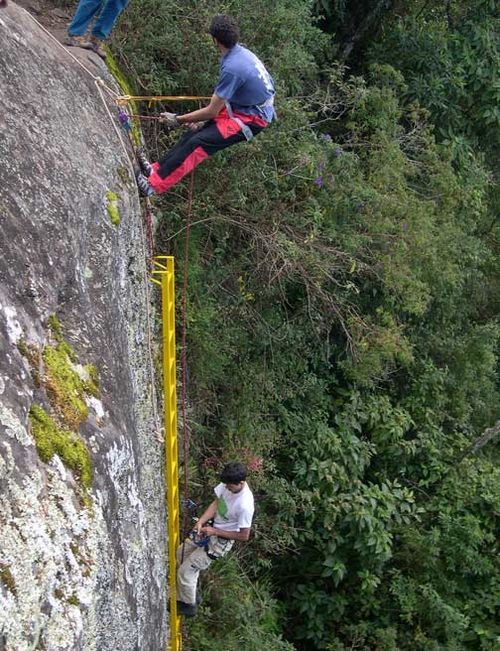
(79, 568)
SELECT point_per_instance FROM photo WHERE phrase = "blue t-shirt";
(245, 83)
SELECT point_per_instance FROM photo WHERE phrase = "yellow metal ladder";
(163, 275)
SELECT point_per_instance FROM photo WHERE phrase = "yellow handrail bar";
(125, 99)
(163, 274)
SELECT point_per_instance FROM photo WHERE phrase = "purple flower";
(337, 151)
(318, 181)
(325, 136)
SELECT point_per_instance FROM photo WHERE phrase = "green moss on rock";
(73, 600)
(58, 594)
(32, 354)
(70, 448)
(22, 347)
(126, 87)
(112, 207)
(7, 579)
(123, 174)
(64, 379)
(92, 386)
(65, 386)
(55, 327)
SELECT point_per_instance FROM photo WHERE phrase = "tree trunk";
(368, 22)
(487, 436)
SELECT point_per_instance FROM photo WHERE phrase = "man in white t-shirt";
(232, 513)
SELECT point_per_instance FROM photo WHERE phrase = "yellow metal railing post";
(163, 275)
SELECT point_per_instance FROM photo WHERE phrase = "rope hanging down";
(96, 78)
(124, 119)
(185, 437)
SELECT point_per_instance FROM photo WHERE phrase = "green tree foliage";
(170, 51)
(342, 327)
(449, 55)
(238, 613)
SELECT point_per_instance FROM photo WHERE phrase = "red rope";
(185, 434)
(149, 228)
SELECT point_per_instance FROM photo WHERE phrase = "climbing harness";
(199, 539)
(269, 103)
(247, 132)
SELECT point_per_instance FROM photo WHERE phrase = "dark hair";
(225, 29)
(233, 473)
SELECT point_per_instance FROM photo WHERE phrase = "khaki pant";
(192, 561)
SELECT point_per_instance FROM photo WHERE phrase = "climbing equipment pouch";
(218, 547)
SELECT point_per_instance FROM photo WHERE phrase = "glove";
(170, 119)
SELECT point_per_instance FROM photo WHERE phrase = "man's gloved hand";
(194, 126)
(170, 119)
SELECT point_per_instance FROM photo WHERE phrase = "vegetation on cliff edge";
(343, 318)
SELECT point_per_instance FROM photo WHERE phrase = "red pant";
(195, 146)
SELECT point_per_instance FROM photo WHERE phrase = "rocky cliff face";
(82, 536)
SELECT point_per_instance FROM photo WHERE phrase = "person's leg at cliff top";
(107, 12)
(240, 107)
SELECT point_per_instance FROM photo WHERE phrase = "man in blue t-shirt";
(240, 107)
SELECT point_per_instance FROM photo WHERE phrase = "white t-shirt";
(234, 510)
